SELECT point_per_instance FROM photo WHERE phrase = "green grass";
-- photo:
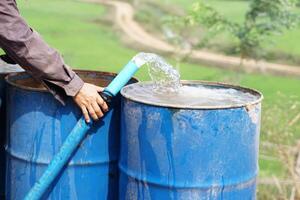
(70, 27)
(270, 168)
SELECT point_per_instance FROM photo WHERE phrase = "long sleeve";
(29, 50)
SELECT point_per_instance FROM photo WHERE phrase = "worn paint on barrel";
(181, 153)
(38, 126)
(5, 69)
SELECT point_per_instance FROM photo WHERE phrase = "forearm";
(29, 50)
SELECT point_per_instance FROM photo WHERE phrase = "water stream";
(163, 75)
(166, 88)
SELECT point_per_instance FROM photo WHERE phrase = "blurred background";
(242, 38)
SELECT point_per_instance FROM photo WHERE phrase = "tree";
(263, 19)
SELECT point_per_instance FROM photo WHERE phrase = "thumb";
(99, 89)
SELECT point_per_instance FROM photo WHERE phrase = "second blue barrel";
(37, 127)
(189, 152)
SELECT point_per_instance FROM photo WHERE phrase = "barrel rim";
(9, 79)
(208, 83)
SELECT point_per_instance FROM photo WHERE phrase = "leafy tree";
(263, 19)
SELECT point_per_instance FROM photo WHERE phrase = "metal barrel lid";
(258, 96)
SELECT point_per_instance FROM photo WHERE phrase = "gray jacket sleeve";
(29, 50)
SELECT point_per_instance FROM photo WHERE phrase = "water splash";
(165, 78)
(166, 88)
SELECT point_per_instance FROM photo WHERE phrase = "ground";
(76, 29)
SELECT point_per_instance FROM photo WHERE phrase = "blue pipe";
(122, 79)
(76, 136)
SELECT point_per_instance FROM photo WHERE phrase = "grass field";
(72, 27)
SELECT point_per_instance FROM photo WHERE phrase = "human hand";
(90, 102)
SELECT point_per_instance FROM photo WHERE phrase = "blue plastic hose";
(122, 79)
(76, 136)
(59, 160)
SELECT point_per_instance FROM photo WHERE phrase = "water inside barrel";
(191, 95)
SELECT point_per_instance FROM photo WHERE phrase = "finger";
(99, 89)
(97, 109)
(85, 114)
(92, 113)
(102, 104)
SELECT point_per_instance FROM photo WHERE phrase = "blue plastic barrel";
(38, 125)
(180, 152)
(5, 69)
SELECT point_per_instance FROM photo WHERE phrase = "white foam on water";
(197, 95)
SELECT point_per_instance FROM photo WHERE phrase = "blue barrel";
(38, 125)
(5, 69)
(180, 152)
